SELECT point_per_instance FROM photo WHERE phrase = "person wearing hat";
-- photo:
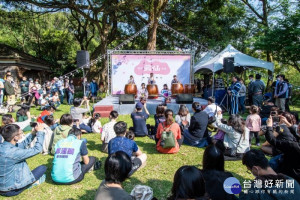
(139, 119)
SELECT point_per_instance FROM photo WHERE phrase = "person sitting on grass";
(15, 175)
(117, 168)
(289, 163)
(139, 119)
(183, 117)
(197, 133)
(77, 113)
(108, 131)
(22, 115)
(48, 137)
(214, 173)
(257, 164)
(95, 123)
(8, 119)
(62, 130)
(168, 126)
(236, 138)
(159, 117)
(188, 184)
(121, 143)
(56, 99)
(253, 123)
(67, 168)
(48, 110)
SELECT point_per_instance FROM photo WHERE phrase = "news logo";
(232, 186)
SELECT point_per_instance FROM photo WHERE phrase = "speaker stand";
(226, 107)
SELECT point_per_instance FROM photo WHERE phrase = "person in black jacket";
(290, 164)
(214, 173)
(197, 133)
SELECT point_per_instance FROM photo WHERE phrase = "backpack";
(167, 138)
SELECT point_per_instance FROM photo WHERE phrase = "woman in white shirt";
(211, 108)
(236, 138)
(183, 118)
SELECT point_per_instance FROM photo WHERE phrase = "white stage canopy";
(240, 60)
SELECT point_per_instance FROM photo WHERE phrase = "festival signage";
(140, 66)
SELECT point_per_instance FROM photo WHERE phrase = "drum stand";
(226, 107)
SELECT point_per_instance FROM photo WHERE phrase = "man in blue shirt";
(67, 168)
(139, 120)
(233, 91)
(121, 143)
(280, 93)
(15, 175)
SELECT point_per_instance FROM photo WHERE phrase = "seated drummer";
(151, 79)
(166, 93)
(143, 91)
(131, 80)
(175, 80)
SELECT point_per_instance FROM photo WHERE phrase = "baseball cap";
(139, 105)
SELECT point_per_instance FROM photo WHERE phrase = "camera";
(276, 119)
(33, 124)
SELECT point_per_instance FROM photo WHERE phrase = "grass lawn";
(158, 173)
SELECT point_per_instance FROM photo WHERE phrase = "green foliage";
(44, 36)
(283, 41)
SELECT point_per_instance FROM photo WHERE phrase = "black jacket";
(291, 153)
(214, 181)
(198, 126)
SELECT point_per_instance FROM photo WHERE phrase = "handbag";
(232, 151)
(182, 127)
(142, 192)
(212, 119)
(167, 138)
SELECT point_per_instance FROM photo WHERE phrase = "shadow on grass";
(158, 186)
(148, 147)
(91, 145)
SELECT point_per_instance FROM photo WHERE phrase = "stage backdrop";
(140, 66)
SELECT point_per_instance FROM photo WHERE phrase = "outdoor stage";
(125, 109)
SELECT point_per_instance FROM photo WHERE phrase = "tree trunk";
(151, 43)
(155, 11)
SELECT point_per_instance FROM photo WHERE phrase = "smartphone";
(276, 119)
(33, 124)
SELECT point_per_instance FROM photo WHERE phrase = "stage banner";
(140, 66)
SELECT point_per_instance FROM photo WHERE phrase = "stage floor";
(125, 109)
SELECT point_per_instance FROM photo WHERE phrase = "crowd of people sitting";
(276, 133)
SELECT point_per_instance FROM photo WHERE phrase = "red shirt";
(45, 112)
(177, 134)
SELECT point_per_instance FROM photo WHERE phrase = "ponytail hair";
(169, 116)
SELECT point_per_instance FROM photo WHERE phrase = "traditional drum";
(189, 88)
(152, 91)
(130, 89)
(177, 88)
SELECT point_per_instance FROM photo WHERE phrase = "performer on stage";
(166, 93)
(233, 91)
(175, 80)
(143, 91)
(151, 79)
(131, 80)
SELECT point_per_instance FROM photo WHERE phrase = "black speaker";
(126, 99)
(184, 99)
(228, 64)
(83, 59)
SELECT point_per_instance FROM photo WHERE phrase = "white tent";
(240, 60)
